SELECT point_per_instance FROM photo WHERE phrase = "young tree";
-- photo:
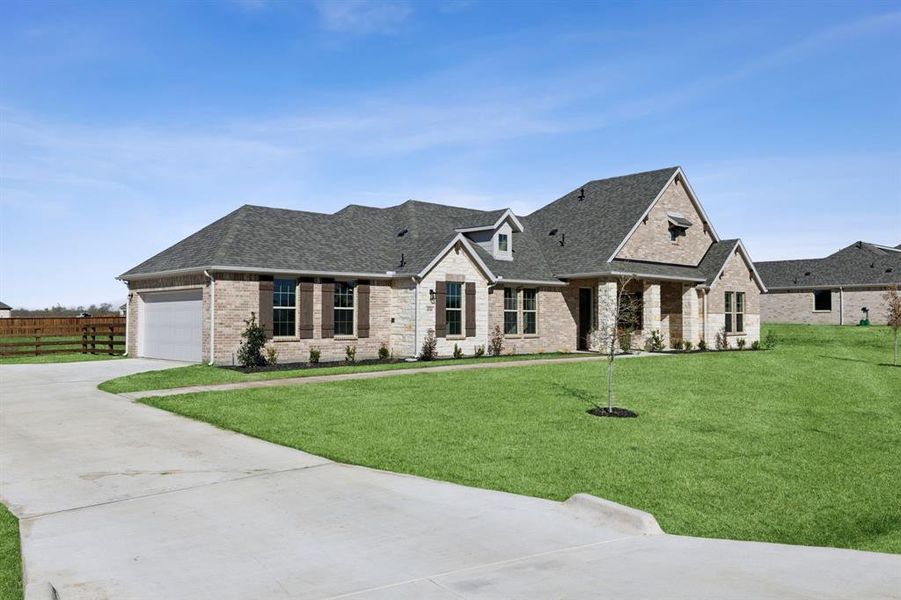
(893, 302)
(620, 315)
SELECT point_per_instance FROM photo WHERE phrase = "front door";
(584, 317)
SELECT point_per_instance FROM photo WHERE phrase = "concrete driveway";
(123, 501)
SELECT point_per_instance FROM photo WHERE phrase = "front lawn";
(10, 557)
(799, 445)
(207, 375)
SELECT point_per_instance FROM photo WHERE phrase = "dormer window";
(503, 242)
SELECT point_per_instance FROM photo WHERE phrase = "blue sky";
(125, 127)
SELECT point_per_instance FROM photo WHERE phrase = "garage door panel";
(173, 325)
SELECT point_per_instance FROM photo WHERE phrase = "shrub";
(350, 354)
(702, 346)
(429, 346)
(458, 352)
(384, 353)
(479, 351)
(250, 352)
(755, 345)
(625, 341)
(315, 353)
(741, 343)
(656, 343)
(687, 346)
(496, 343)
(722, 342)
(770, 340)
(271, 355)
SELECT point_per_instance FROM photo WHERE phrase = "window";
(503, 243)
(530, 311)
(344, 308)
(735, 312)
(284, 307)
(511, 311)
(630, 311)
(676, 232)
(453, 308)
(822, 300)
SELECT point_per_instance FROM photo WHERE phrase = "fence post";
(84, 340)
(111, 339)
(37, 341)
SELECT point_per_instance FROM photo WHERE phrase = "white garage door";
(172, 325)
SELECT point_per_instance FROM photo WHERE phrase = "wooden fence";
(58, 335)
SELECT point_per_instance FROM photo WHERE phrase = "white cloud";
(362, 16)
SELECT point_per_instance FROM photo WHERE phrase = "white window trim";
(353, 309)
(447, 333)
(294, 335)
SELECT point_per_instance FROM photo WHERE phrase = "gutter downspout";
(841, 306)
(706, 316)
(212, 318)
(127, 319)
(415, 315)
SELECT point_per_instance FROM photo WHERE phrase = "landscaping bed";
(800, 444)
(208, 375)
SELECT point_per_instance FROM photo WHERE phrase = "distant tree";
(58, 310)
(893, 302)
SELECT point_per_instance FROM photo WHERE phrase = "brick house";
(370, 276)
(831, 290)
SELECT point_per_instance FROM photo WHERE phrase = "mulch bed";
(623, 413)
(305, 365)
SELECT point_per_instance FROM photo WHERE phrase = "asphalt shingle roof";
(5, 306)
(861, 263)
(592, 220)
(575, 234)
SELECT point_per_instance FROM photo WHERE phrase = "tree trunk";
(610, 385)
(896, 347)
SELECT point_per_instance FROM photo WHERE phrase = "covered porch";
(675, 309)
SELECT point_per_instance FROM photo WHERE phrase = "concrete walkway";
(219, 387)
(123, 501)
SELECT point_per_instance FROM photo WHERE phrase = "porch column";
(690, 320)
(650, 314)
(606, 318)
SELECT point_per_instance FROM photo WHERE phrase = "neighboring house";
(369, 276)
(831, 290)
(5, 310)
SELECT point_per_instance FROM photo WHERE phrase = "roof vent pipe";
(581, 194)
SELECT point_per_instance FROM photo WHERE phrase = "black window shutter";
(306, 310)
(470, 309)
(363, 309)
(440, 306)
(328, 310)
(265, 316)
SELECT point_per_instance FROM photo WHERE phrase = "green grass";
(55, 358)
(10, 557)
(801, 444)
(206, 375)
